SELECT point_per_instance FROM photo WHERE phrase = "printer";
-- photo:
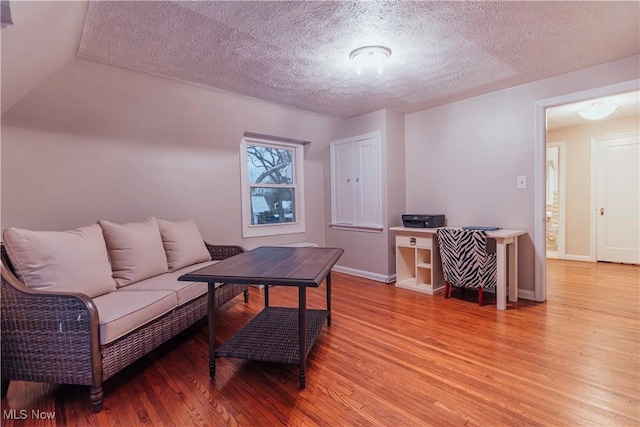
(422, 220)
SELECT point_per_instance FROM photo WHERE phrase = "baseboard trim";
(366, 274)
(586, 258)
(522, 293)
(526, 294)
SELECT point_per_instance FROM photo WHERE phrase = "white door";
(368, 182)
(343, 183)
(618, 198)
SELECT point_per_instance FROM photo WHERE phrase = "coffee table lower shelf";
(272, 336)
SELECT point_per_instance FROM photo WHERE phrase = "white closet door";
(343, 170)
(368, 182)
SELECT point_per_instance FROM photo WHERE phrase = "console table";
(418, 265)
(276, 334)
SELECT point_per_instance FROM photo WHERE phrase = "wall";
(372, 254)
(44, 36)
(578, 178)
(463, 158)
(396, 181)
(95, 141)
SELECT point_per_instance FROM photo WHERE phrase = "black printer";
(422, 220)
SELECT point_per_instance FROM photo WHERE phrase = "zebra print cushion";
(465, 261)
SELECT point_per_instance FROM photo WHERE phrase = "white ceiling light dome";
(370, 57)
(597, 110)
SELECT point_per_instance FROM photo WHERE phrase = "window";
(272, 186)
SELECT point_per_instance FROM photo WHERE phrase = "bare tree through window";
(271, 179)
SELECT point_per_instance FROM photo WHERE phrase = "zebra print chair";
(465, 260)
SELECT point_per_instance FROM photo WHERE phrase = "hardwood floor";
(393, 357)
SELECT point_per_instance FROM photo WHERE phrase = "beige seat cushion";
(62, 261)
(122, 312)
(185, 291)
(135, 250)
(183, 243)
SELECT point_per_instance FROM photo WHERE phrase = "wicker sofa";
(74, 332)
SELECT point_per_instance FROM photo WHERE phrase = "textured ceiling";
(297, 53)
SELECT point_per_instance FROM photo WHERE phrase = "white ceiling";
(297, 53)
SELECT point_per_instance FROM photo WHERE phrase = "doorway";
(602, 193)
(555, 197)
(540, 184)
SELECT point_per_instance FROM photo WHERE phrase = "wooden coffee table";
(273, 335)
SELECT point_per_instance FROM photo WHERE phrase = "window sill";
(273, 229)
(360, 228)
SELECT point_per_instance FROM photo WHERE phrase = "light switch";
(522, 181)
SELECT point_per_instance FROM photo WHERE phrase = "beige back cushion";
(135, 250)
(62, 261)
(183, 243)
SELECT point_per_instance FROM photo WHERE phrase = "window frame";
(297, 171)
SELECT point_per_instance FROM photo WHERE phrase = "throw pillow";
(135, 250)
(183, 243)
(62, 261)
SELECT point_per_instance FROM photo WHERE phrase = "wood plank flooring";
(393, 357)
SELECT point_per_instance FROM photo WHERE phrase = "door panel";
(344, 184)
(618, 199)
(367, 182)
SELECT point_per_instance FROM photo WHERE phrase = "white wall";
(362, 251)
(463, 158)
(44, 36)
(95, 141)
(396, 180)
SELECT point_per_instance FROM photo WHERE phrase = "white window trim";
(249, 230)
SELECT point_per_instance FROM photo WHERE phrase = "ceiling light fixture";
(597, 110)
(370, 57)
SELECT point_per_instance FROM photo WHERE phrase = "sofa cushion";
(135, 250)
(122, 312)
(62, 261)
(185, 291)
(183, 243)
(193, 267)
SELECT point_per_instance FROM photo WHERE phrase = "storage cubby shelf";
(418, 266)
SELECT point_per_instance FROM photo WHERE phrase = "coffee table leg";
(329, 299)
(302, 328)
(211, 310)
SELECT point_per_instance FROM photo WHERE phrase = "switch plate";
(522, 181)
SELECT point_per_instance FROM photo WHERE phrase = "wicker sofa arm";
(220, 252)
(48, 336)
(228, 291)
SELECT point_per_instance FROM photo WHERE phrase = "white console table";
(418, 265)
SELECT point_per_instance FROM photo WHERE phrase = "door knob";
(601, 211)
